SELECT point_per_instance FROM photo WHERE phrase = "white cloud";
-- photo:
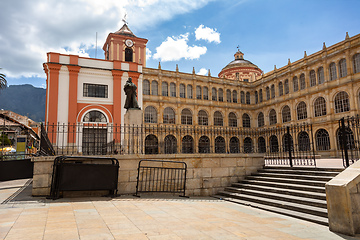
(207, 34)
(202, 71)
(32, 28)
(148, 54)
(175, 48)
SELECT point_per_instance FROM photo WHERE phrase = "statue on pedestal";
(130, 92)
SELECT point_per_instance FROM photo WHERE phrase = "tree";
(3, 82)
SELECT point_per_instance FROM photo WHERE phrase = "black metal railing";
(155, 176)
(109, 139)
(290, 146)
(348, 139)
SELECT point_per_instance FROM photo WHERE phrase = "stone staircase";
(297, 192)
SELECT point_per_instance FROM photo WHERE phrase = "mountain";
(25, 100)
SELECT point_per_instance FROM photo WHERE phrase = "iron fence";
(110, 139)
(290, 146)
(348, 139)
(156, 176)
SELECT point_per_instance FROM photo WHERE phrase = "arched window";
(169, 116)
(182, 90)
(248, 98)
(321, 76)
(248, 146)
(94, 116)
(332, 71)
(128, 55)
(286, 143)
(204, 144)
(228, 96)
(356, 62)
(302, 81)
(281, 89)
(146, 87)
(173, 89)
(220, 145)
(218, 119)
(198, 92)
(272, 117)
(170, 144)
(304, 141)
(150, 115)
(205, 93)
(242, 97)
(164, 88)
(301, 111)
(286, 114)
(295, 84)
(214, 94)
(186, 117)
(272, 91)
(234, 145)
(320, 107)
(350, 141)
(286, 86)
(203, 118)
(246, 120)
(187, 144)
(154, 88)
(221, 95)
(151, 144)
(261, 145)
(267, 93)
(232, 120)
(189, 91)
(235, 97)
(274, 144)
(342, 102)
(256, 97)
(342, 68)
(312, 78)
(261, 121)
(322, 140)
(260, 95)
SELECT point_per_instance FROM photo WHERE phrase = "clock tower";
(124, 46)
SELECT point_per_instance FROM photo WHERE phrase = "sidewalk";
(127, 217)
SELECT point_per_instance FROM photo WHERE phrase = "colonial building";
(197, 114)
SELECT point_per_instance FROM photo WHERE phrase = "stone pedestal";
(133, 132)
(133, 117)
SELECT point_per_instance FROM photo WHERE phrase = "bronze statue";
(130, 92)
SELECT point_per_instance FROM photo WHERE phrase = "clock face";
(129, 42)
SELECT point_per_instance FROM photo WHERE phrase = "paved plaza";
(128, 217)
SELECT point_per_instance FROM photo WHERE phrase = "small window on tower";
(128, 55)
(246, 80)
(95, 90)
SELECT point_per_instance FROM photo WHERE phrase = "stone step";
(337, 170)
(283, 185)
(289, 181)
(312, 172)
(311, 210)
(279, 196)
(294, 176)
(295, 214)
(299, 193)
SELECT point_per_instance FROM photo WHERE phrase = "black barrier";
(155, 176)
(84, 174)
(16, 169)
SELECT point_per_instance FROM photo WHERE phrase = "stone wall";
(207, 174)
(343, 201)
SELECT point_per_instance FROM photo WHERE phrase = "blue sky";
(268, 32)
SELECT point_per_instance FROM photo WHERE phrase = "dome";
(240, 69)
